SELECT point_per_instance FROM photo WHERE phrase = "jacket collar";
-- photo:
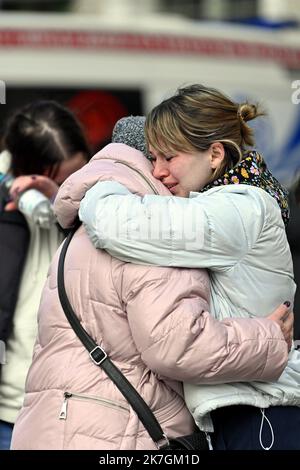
(253, 171)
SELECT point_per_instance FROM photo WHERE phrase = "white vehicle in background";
(149, 59)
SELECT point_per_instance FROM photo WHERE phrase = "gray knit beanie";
(130, 131)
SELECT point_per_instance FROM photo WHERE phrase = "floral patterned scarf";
(253, 171)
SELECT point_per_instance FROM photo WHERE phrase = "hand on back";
(285, 319)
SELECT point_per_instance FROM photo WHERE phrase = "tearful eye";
(151, 160)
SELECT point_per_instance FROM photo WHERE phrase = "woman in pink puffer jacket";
(153, 322)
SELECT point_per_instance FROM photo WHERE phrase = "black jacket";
(293, 233)
(14, 241)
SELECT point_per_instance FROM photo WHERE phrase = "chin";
(182, 194)
(179, 192)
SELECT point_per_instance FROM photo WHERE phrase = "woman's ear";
(217, 155)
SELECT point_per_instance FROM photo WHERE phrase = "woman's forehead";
(159, 150)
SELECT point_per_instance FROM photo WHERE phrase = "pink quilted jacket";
(153, 323)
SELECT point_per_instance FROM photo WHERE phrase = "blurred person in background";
(293, 233)
(227, 213)
(43, 144)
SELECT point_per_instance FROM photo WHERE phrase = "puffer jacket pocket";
(89, 398)
(92, 422)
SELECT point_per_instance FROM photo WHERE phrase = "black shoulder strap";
(100, 358)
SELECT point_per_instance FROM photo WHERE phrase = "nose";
(160, 169)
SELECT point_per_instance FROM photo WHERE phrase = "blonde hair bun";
(248, 111)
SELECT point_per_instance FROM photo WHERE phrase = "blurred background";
(109, 58)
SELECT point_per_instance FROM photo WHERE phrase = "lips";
(170, 186)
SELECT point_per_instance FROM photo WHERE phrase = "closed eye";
(151, 160)
(169, 158)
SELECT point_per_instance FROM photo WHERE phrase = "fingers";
(21, 184)
(48, 187)
(285, 319)
(45, 185)
(11, 206)
(281, 312)
(287, 329)
(40, 182)
(288, 321)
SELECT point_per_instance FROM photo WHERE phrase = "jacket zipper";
(137, 171)
(79, 396)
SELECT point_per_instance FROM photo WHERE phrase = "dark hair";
(41, 135)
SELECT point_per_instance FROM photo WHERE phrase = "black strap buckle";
(98, 355)
(163, 442)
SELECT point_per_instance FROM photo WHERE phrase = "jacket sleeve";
(197, 232)
(179, 339)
